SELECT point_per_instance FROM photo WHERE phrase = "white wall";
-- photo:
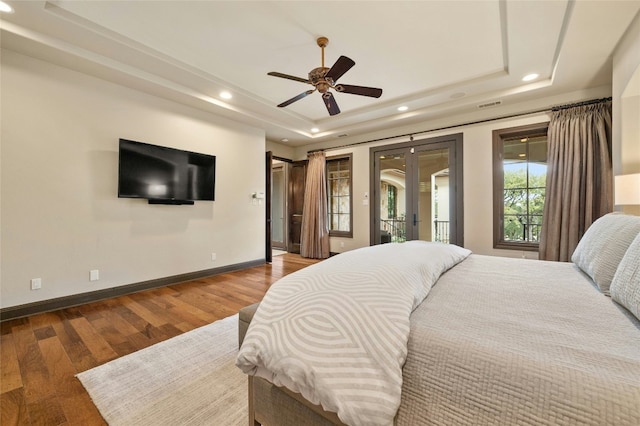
(279, 150)
(626, 106)
(60, 213)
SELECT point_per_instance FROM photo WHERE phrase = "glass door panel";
(432, 198)
(278, 207)
(392, 203)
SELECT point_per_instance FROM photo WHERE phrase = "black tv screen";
(164, 175)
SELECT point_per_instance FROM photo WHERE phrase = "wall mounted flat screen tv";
(164, 175)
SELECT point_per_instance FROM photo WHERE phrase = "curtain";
(579, 177)
(314, 239)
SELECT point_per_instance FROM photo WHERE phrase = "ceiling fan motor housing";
(317, 78)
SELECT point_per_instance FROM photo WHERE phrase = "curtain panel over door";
(314, 240)
(579, 177)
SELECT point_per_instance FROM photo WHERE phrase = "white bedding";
(503, 341)
(336, 332)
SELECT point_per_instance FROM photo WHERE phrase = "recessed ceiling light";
(403, 108)
(522, 155)
(530, 77)
(315, 130)
(4, 7)
(225, 95)
(284, 140)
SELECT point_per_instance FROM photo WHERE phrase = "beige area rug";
(190, 379)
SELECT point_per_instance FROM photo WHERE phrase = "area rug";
(190, 379)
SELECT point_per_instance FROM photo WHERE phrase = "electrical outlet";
(94, 275)
(36, 284)
(213, 256)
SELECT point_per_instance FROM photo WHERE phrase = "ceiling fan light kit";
(323, 79)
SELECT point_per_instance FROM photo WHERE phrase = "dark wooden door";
(297, 177)
(268, 248)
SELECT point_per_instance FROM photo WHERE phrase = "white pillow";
(603, 246)
(625, 287)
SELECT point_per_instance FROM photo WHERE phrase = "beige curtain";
(314, 239)
(579, 177)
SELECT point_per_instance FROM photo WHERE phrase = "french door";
(417, 191)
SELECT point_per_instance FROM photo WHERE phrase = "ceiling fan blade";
(289, 77)
(342, 65)
(330, 103)
(296, 98)
(359, 90)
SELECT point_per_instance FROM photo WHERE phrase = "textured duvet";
(520, 342)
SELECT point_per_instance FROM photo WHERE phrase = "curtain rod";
(486, 120)
(577, 104)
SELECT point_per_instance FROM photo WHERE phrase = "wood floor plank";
(123, 326)
(10, 377)
(142, 312)
(138, 323)
(202, 300)
(76, 404)
(178, 312)
(96, 344)
(41, 354)
(125, 348)
(74, 346)
(108, 331)
(42, 320)
(192, 314)
(159, 307)
(7, 326)
(47, 411)
(13, 408)
(35, 376)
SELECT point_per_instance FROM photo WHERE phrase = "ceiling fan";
(323, 79)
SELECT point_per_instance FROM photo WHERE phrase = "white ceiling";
(436, 57)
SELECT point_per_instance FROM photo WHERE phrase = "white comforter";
(336, 332)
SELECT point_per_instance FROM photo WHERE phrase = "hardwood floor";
(41, 354)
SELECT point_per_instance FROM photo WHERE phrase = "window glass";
(339, 196)
(520, 172)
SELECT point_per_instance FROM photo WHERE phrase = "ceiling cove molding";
(202, 100)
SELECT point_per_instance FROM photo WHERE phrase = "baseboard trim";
(49, 305)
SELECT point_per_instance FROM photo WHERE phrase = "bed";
(494, 341)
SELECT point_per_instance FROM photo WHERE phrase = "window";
(339, 194)
(519, 180)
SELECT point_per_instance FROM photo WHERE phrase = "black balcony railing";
(393, 230)
(521, 228)
(441, 231)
